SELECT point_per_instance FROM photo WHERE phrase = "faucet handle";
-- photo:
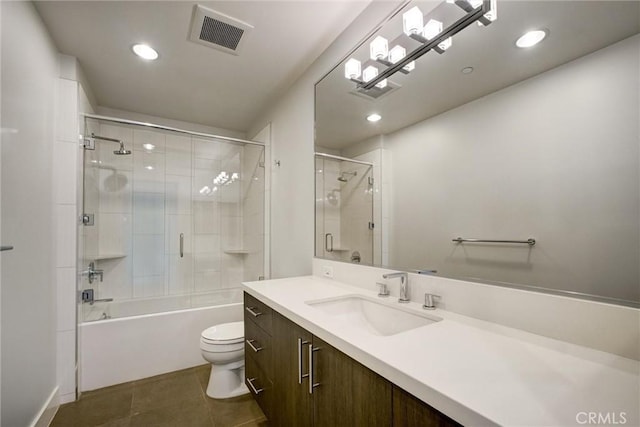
(429, 304)
(384, 290)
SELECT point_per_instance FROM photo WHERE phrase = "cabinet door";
(409, 411)
(347, 394)
(292, 401)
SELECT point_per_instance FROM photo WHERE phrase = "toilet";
(223, 346)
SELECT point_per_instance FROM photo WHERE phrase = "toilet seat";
(226, 333)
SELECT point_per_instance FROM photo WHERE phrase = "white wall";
(29, 73)
(554, 157)
(292, 133)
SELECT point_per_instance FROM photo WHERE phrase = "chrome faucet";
(92, 273)
(404, 284)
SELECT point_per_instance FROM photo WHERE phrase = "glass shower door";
(344, 210)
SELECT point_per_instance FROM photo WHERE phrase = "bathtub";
(117, 344)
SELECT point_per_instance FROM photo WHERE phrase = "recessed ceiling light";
(374, 117)
(148, 147)
(145, 51)
(467, 70)
(531, 38)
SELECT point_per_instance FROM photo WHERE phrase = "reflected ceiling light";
(412, 21)
(432, 29)
(445, 44)
(379, 48)
(398, 53)
(149, 168)
(145, 51)
(148, 147)
(531, 38)
(370, 73)
(374, 117)
(432, 36)
(352, 69)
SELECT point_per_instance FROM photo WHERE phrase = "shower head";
(120, 152)
(343, 178)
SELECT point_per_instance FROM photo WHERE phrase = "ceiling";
(189, 81)
(576, 28)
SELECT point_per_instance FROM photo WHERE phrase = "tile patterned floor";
(174, 399)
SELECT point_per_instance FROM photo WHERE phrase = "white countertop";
(475, 372)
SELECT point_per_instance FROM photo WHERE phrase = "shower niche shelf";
(103, 257)
(236, 251)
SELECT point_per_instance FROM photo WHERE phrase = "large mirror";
(491, 162)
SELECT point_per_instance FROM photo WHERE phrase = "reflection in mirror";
(488, 140)
(344, 209)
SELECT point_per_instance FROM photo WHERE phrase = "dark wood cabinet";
(409, 411)
(348, 393)
(281, 358)
(293, 406)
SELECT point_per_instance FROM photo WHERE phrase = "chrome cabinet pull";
(312, 385)
(6, 248)
(181, 245)
(253, 388)
(253, 347)
(300, 374)
(253, 312)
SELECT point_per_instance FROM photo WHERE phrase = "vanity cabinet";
(282, 359)
(345, 393)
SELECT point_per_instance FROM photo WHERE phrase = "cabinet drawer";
(257, 345)
(258, 312)
(259, 385)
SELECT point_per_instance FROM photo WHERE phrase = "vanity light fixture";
(432, 36)
(531, 38)
(397, 53)
(374, 117)
(370, 73)
(145, 51)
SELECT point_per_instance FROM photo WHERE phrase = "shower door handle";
(181, 245)
(327, 247)
(6, 248)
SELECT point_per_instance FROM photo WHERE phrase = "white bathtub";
(129, 347)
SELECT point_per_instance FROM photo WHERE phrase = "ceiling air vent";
(217, 30)
(375, 92)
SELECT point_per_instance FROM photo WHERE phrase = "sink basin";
(371, 315)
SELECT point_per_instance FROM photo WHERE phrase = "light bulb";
(396, 54)
(369, 73)
(412, 21)
(531, 38)
(145, 52)
(432, 29)
(379, 48)
(352, 69)
(445, 44)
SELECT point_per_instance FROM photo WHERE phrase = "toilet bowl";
(223, 346)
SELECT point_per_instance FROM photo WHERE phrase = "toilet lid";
(227, 333)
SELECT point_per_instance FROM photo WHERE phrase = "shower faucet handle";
(93, 272)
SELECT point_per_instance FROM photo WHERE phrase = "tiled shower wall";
(144, 201)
